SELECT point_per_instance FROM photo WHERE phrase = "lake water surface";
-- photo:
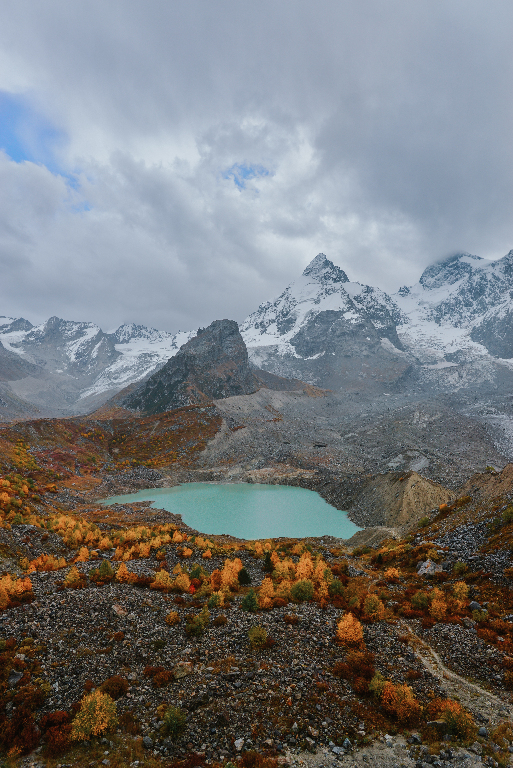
(248, 510)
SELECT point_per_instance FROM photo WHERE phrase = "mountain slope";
(212, 365)
(328, 331)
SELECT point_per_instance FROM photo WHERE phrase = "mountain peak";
(451, 269)
(322, 270)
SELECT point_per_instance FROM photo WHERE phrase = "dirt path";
(472, 696)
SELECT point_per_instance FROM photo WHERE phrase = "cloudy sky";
(169, 163)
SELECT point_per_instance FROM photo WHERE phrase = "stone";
(238, 744)
(474, 606)
(428, 568)
(477, 748)
(147, 742)
(483, 732)
(14, 678)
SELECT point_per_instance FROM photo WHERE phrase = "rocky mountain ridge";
(450, 332)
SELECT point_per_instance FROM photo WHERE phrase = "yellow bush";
(374, 608)
(72, 577)
(186, 552)
(266, 594)
(182, 582)
(304, 568)
(391, 574)
(172, 618)
(207, 554)
(124, 576)
(349, 630)
(162, 581)
(438, 607)
(97, 715)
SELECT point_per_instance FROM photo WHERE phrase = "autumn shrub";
(459, 568)
(302, 590)
(391, 575)
(280, 602)
(220, 620)
(129, 723)
(257, 636)
(400, 702)
(488, 635)
(174, 722)
(373, 608)
(73, 578)
(162, 678)
(115, 687)
(97, 715)
(172, 618)
(20, 731)
(459, 722)
(56, 727)
(349, 630)
(291, 618)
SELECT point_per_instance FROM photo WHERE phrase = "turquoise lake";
(247, 510)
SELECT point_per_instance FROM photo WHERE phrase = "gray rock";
(14, 678)
(483, 732)
(474, 606)
(147, 742)
(428, 568)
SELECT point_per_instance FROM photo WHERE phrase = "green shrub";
(336, 588)
(257, 636)
(174, 723)
(214, 601)
(420, 601)
(268, 566)
(480, 615)
(460, 567)
(197, 572)
(302, 590)
(424, 522)
(244, 578)
(249, 602)
(197, 625)
(507, 515)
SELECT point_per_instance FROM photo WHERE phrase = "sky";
(171, 163)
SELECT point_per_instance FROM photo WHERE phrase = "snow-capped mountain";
(460, 310)
(328, 331)
(450, 331)
(73, 366)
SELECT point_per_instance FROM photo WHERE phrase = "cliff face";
(212, 365)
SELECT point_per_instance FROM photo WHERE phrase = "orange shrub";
(266, 594)
(207, 554)
(124, 576)
(459, 721)
(438, 607)
(349, 630)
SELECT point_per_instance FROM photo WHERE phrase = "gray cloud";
(384, 128)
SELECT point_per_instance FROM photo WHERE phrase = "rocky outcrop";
(212, 365)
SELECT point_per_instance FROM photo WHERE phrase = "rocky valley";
(128, 638)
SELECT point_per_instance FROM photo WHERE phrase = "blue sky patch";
(25, 134)
(243, 172)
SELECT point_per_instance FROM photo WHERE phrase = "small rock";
(238, 744)
(483, 732)
(14, 678)
(347, 745)
(474, 606)
(147, 742)
(477, 748)
(428, 568)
